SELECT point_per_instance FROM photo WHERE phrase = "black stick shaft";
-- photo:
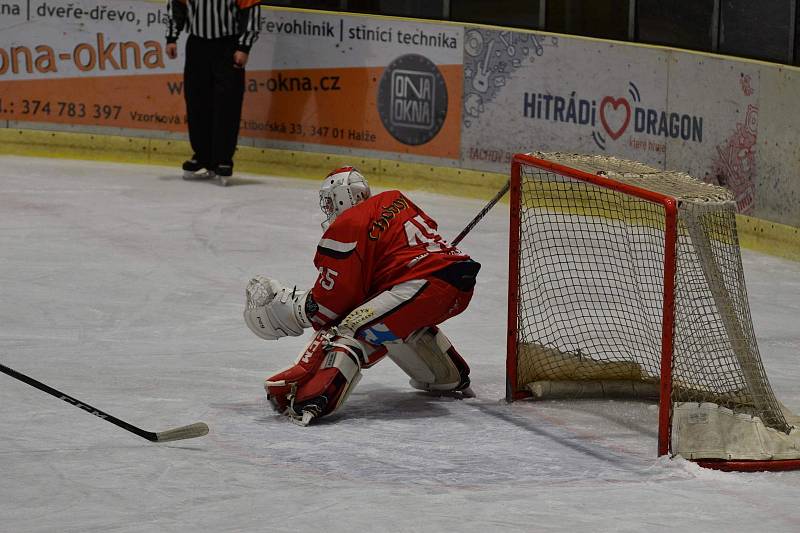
(180, 433)
(482, 213)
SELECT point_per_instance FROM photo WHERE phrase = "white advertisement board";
(534, 92)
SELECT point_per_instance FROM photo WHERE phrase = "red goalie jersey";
(381, 242)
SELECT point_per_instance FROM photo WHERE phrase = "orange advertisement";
(138, 101)
(313, 79)
(322, 106)
(343, 107)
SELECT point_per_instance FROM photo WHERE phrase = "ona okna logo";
(412, 99)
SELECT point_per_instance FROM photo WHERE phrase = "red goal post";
(626, 280)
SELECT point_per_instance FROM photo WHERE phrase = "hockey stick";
(185, 432)
(482, 213)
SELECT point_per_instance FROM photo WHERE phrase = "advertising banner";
(357, 82)
(313, 79)
(534, 92)
(725, 95)
(409, 90)
(86, 63)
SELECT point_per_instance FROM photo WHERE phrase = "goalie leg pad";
(431, 361)
(320, 382)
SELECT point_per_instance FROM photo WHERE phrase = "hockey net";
(627, 281)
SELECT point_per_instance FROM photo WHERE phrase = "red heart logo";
(615, 134)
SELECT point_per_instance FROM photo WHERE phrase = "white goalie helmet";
(342, 189)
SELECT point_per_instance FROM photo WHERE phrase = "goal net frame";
(674, 207)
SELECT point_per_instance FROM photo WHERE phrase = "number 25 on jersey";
(327, 278)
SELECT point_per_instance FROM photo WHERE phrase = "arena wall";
(441, 106)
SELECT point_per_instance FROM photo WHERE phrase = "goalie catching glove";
(273, 310)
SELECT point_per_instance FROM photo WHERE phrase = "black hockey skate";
(194, 170)
(224, 171)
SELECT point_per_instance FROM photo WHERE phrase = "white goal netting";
(592, 264)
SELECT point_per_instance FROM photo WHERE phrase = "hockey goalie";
(386, 280)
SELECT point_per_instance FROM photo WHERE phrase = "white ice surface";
(122, 286)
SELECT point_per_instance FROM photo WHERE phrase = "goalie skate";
(305, 417)
(462, 394)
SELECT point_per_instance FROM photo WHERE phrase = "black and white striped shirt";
(212, 19)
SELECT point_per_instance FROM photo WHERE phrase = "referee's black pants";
(214, 90)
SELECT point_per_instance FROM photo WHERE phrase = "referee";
(221, 33)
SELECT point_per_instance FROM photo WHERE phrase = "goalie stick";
(482, 213)
(185, 432)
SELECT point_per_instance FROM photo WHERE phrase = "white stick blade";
(185, 432)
